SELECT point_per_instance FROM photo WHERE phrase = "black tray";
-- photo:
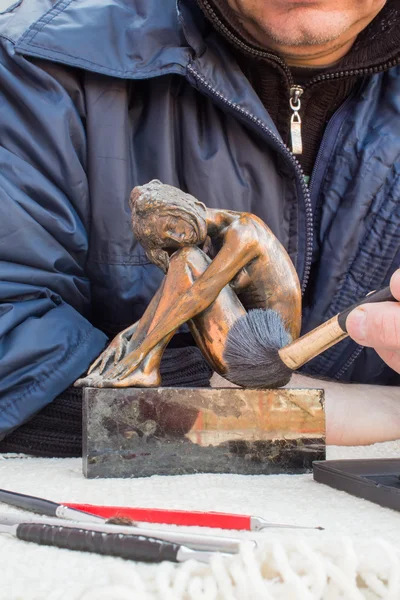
(377, 480)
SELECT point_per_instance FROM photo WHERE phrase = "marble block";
(137, 432)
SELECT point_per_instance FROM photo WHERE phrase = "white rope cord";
(393, 558)
(257, 584)
(311, 564)
(240, 584)
(384, 586)
(279, 570)
(294, 580)
(224, 576)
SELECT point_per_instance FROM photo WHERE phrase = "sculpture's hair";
(149, 202)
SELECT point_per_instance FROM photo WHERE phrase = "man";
(287, 109)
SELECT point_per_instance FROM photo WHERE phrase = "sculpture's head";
(165, 218)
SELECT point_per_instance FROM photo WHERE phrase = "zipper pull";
(295, 122)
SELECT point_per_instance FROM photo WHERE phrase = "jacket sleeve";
(46, 339)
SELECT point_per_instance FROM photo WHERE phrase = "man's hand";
(378, 326)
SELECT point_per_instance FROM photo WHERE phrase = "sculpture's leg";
(209, 329)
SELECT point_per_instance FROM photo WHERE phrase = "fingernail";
(358, 320)
(395, 280)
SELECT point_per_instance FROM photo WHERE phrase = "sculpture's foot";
(138, 378)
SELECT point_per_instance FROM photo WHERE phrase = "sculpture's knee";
(192, 257)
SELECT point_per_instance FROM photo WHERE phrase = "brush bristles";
(251, 351)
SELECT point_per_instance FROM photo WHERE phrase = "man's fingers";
(395, 284)
(390, 357)
(376, 325)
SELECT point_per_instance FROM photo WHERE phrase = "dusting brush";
(259, 352)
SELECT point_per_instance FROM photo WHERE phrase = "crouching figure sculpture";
(218, 264)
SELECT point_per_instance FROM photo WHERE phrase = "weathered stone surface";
(137, 432)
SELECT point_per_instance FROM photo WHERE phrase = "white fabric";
(356, 557)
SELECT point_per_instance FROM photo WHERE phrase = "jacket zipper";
(348, 363)
(295, 122)
(297, 127)
(293, 160)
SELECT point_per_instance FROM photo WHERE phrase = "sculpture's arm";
(239, 248)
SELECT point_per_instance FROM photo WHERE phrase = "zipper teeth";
(348, 363)
(307, 198)
(276, 59)
(352, 72)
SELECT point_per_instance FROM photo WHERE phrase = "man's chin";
(307, 28)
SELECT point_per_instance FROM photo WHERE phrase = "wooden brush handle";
(326, 335)
(384, 295)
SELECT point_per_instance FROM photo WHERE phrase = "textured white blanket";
(356, 557)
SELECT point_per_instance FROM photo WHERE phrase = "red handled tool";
(97, 514)
(182, 517)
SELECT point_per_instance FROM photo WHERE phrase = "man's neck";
(321, 57)
(314, 55)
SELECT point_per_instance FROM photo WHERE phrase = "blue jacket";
(100, 95)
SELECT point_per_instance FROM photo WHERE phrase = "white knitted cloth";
(356, 557)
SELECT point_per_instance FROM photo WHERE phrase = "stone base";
(138, 432)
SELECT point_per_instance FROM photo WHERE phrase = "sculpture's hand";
(96, 381)
(126, 366)
(114, 350)
(378, 326)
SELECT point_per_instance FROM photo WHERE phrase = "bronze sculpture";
(218, 264)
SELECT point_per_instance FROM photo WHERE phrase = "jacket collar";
(216, 70)
(121, 38)
(133, 39)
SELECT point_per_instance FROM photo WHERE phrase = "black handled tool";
(125, 546)
(46, 507)
(195, 541)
